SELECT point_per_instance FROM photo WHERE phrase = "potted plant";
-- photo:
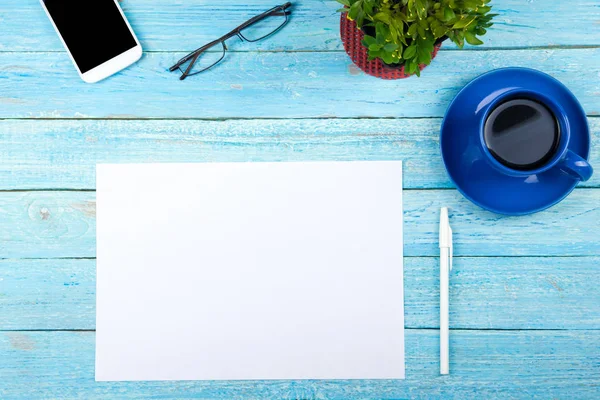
(405, 34)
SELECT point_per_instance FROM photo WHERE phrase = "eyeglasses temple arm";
(195, 53)
(190, 66)
(273, 11)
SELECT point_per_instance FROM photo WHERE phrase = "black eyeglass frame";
(193, 56)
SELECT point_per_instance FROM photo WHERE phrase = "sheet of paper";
(249, 271)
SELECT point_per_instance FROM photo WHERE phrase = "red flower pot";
(352, 38)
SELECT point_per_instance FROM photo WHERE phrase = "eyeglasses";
(253, 30)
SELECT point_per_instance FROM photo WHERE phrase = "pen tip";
(444, 213)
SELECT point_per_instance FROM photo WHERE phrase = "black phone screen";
(93, 30)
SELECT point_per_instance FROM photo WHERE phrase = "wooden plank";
(62, 224)
(484, 364)
(487, 293)
(49, 154)
(47, 224)
(280, 85)
(314, 24)
(47, 294)
(63, 153)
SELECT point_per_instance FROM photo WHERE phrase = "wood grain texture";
(279, 85)
(62, 224)
(47, 224)
(487, 293)
(300, 73)
(484, 364)
(63, 153)
(186, 25)
(47, 294)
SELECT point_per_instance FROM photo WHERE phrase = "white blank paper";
(249, 271)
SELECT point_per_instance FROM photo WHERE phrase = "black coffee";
(522, 134)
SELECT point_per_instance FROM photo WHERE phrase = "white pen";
(445, 268)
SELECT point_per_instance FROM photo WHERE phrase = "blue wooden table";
(525, 309)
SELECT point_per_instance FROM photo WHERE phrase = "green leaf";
(464, 22)
(415, 67)
(373, 56)
(403, 40)
(360, 18)
(470, 5)
(390, 47)
(368, 40)
(412, 30)
(411, 67)
(388, 58)
(421, 9)
(382, 32)
(393, 34)
(380, 16)
(344, 2)
(424, 56)
(426, 44)
(472, 39)
(375, 47)
(459, 39)
(439, 31)
(410, 52)
(448, 14)
(368, 7)
(353, 11)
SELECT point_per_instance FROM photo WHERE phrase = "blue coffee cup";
(542, 119)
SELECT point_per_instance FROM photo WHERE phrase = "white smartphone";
(96, 35)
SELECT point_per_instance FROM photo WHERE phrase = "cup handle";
(576, 167)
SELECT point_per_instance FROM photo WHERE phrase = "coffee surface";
(522, 134)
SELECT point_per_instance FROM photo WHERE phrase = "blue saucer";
(469, 168)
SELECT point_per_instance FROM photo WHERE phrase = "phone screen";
(93, 30)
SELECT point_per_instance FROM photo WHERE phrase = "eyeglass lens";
(265, 27)
(206, 59)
